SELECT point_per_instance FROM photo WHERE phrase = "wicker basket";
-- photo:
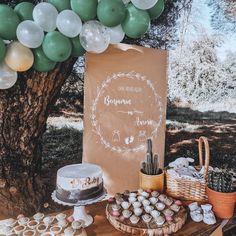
(186, 189)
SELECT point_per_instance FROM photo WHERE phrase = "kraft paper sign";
(125, 103)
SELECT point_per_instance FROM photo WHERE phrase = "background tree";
(24, 109)
(197, 75)
(224, 15)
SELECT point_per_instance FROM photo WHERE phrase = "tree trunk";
(24, 109)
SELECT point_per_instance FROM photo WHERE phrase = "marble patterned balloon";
(94, 37)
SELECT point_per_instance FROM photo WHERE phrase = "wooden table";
(101, 226)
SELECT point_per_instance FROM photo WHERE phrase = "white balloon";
(116, 34)
(94, 37)
(29, 34)
(69, 23)
(45, 15)
(144, 4)
(8, 77)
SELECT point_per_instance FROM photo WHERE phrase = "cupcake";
(153, 200)
(29, 232)
(111, 199)
(132, 199)
(148, 209)
(126, 213)
(138, 211)
(38, 216)
(178, 202)
(160, 206)
(41, 228)
(133, 194)
(134, 219)
(168, 201)
(141, 198)
(63, 223)
(136, 204)
(145, 194)
(69, 231)
(160, 220)
(155, 213)
(146, 202)
(174, 207)
(119, 198)
(125, 204)
(169, 218)
(168, 212)
(77, 224)
(115, 213)
(23, 220)
(55, 229)
(19, 229)
(60, 216)
(32, 224)
(115, 207)
(155, 194)
(48, 220)
(140, 190)
(162, 197)
(146, 218)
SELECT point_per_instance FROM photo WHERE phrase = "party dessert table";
(102, 227)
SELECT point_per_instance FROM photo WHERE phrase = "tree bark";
(24, 109)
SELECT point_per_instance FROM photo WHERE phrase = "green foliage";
(151, 165)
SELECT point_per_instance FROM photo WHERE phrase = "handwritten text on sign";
(126, 111)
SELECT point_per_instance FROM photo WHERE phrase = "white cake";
(79, 182)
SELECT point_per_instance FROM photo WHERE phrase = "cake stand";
(79, 207)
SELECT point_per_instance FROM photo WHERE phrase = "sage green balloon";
(77, 49)
(86, 9)
(9, 21)
(2, 50)
(24, 10)
(56, 46)
(60, 4)
(157, 10)
(111, 13)
(136, 22)
(41, 62)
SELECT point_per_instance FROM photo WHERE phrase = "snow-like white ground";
(63, 122)
(228, 105)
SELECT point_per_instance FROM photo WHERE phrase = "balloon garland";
(50, 32)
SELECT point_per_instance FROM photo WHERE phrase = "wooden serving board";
(142, 228)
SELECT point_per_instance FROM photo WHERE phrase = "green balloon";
(2, 50)
(60, 4)
(157, 10)
(136, 22)
(77, 49)
(24, 10)
(86, 9)
(56, 46)
(41, 62)
(8, 22)
(111, 12)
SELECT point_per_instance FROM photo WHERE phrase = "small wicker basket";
(191, 190)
